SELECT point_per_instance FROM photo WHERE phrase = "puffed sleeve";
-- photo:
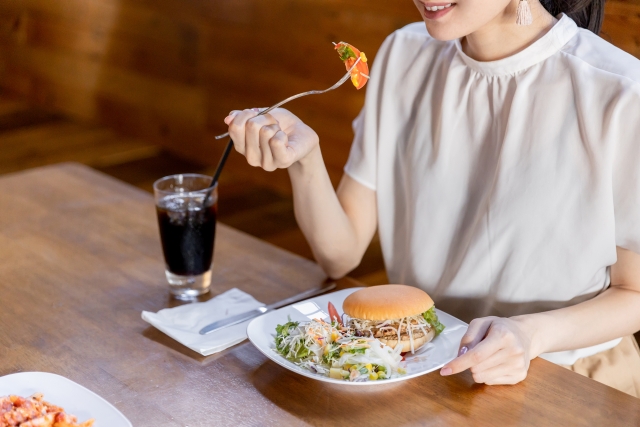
(626, 172)
(362, 162)
(362, 165)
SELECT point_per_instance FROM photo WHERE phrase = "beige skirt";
(618, 367)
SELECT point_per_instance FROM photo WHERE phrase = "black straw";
(221, 163)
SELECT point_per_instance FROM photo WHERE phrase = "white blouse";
(503, 187)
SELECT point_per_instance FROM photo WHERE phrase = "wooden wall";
(622, 25)
(170, 70)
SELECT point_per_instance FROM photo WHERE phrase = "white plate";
(432, 356)
(60, 391)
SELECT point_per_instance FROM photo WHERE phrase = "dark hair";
(588, 14)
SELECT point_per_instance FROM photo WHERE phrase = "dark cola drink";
(187, 231)
(187, 207)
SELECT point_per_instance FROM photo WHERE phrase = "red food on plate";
(333, 314)
(35, 412)
(349, 55)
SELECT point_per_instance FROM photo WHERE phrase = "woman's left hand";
(497, 350)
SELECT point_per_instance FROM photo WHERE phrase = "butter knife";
(239, 318)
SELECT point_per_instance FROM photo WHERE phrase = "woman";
(499, 163)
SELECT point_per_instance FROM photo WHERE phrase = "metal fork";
(300, 95)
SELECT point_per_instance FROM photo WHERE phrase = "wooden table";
(80, 259)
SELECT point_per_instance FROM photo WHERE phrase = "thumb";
(475, 333)
(230, 117)
(285, 118)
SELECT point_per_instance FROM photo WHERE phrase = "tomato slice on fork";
(333, 314)
(349, 55)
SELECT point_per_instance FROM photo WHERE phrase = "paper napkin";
(183, 323)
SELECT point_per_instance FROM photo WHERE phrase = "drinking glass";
(187, 209)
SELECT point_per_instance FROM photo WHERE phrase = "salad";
(355, 350)
(330, 349)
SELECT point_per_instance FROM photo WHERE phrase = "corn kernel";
(369, 367)
(373, 376)
(363, 57)
(334, 336)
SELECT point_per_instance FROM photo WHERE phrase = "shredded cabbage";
(393, 329)
(330, 349)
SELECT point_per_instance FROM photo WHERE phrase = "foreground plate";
(60, 391)
(432, 356)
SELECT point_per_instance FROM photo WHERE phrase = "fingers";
(502, 374)
(497, 353)
(478, 354)
(502, 364)
(237, 128)
(491, 374)
(266, 134)
(508, 379)
(476, 332)
(271, 141)
(283, 154)
(252, 137)
(492, 361)
(508, 353)
(230, 117)
(256, 129)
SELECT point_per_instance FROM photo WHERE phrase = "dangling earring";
(524, 13)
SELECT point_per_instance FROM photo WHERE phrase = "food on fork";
(33, 411)
(399, 316)
(349, 55)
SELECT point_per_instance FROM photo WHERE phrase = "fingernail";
(230, 116)
(463, 350)
(445, 371)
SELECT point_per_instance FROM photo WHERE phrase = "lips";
(436, 7)
(434, 11)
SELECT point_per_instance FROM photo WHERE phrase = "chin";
(461, 17)
(443, 32)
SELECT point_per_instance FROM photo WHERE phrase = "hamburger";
(397, 315)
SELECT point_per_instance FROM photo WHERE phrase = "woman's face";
(455, 20)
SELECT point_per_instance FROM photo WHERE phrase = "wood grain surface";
(169, 71)
(80, 259)
(32, 137)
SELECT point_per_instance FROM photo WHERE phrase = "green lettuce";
(283, 331)
(345, 52)
(432, 319)
(300, 351)
(332, 354)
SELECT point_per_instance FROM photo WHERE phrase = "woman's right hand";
(275, 140)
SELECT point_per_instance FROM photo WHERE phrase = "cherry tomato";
(333, 314)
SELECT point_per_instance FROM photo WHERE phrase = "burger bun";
(386, 302)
